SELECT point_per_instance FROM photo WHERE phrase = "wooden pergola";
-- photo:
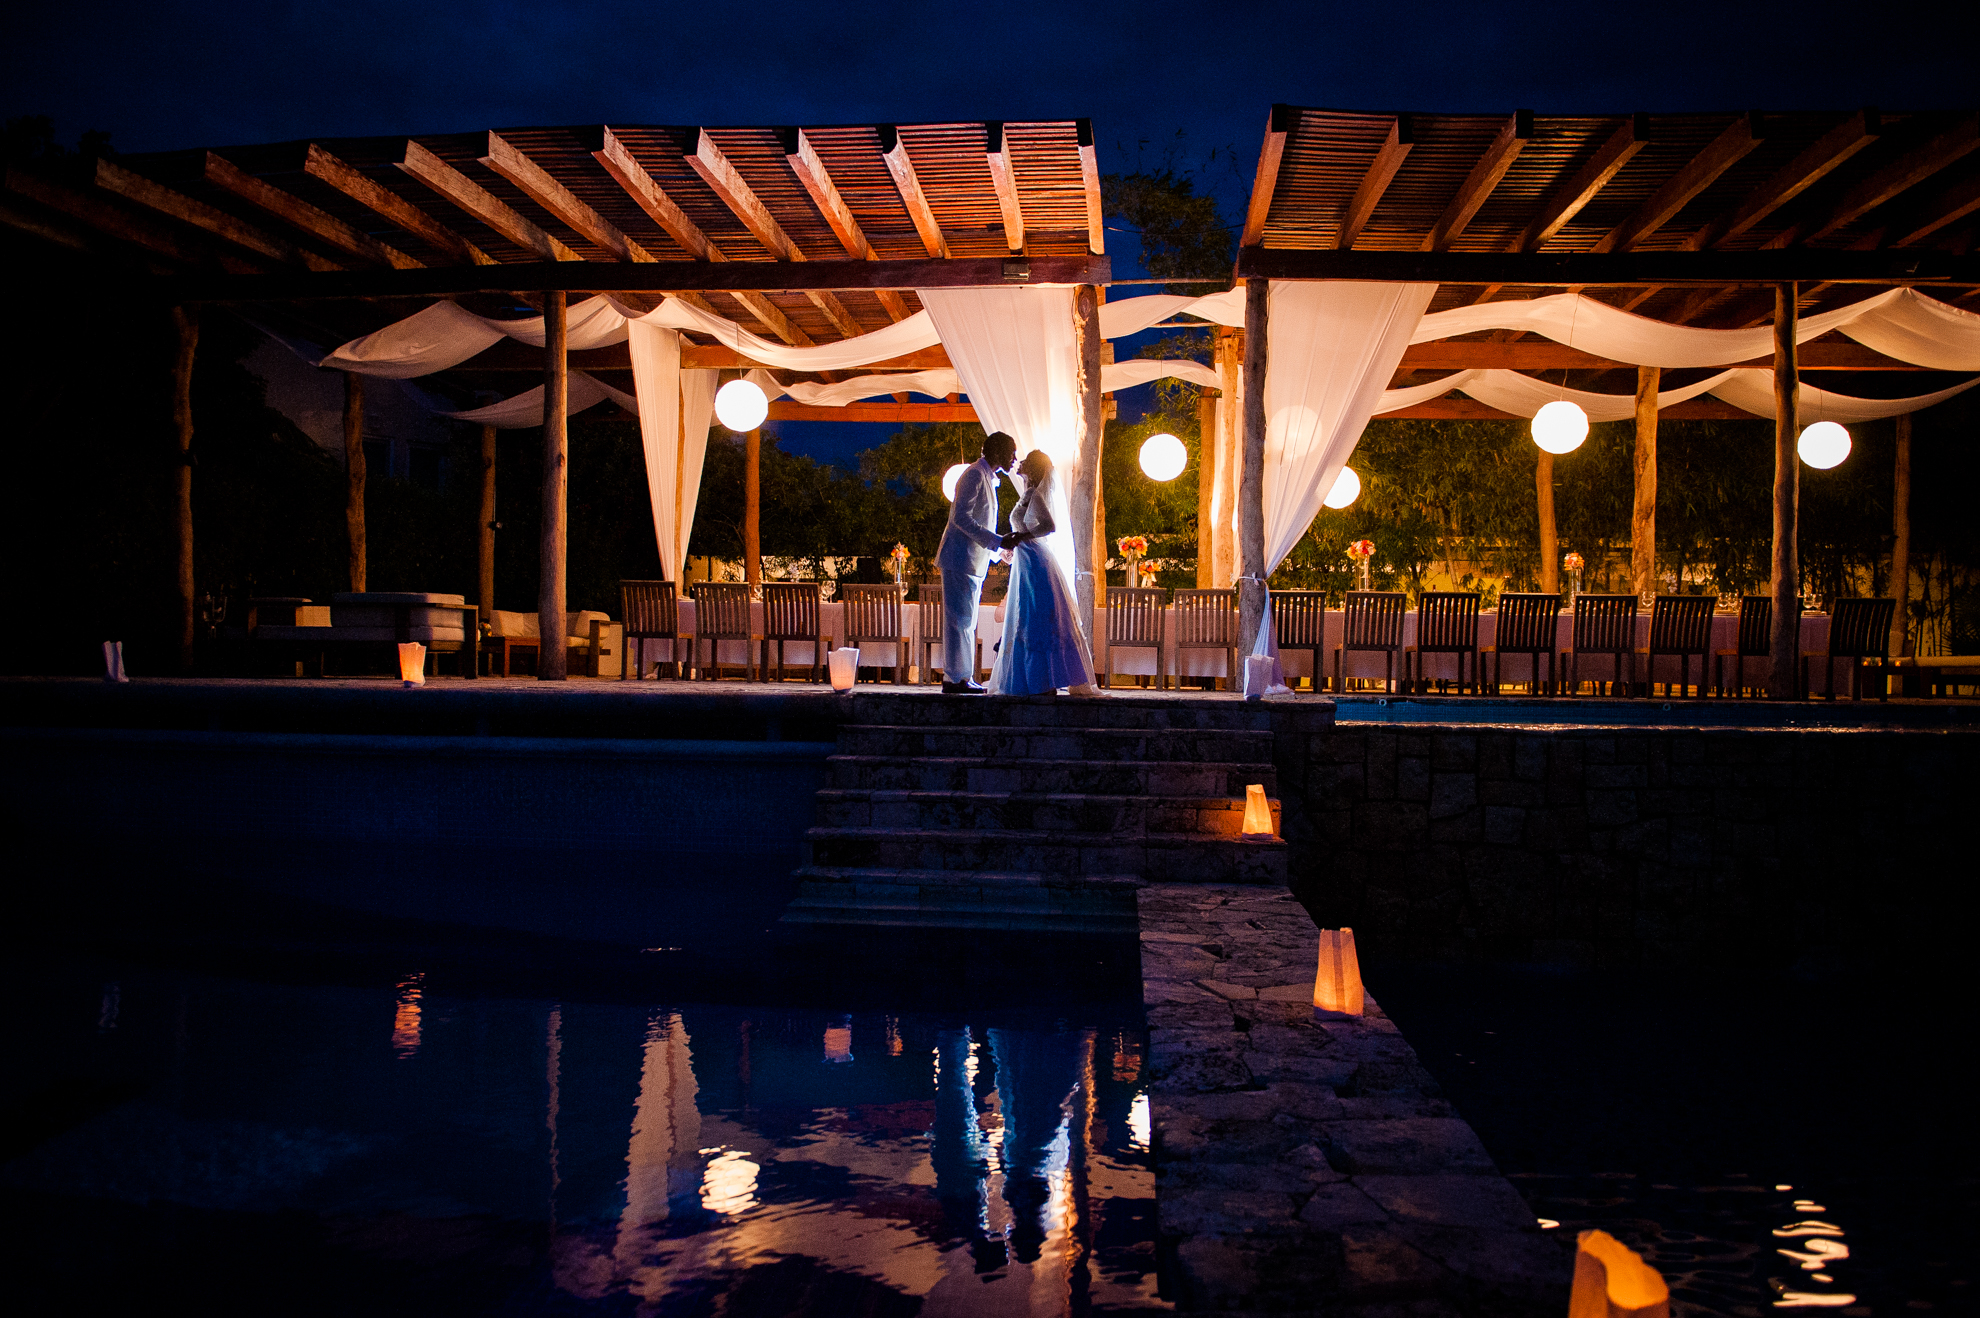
(804, 235)
(1714, 220)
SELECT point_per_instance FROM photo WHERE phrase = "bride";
(1043, 648)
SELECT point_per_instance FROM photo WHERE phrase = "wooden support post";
(1784, 652)
(354, 476)
(1086, 484)
(551, 655)
(185, 342)
(484, 533)
(1230, 426)
(1643, 518)
(1251, 486)
(1550, 549)
(1901, 539)
(753, 512)
(1206, 485)
(1102, 547)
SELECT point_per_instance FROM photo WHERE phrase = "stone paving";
(1306, 1165)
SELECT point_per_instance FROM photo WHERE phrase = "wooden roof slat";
(1567, 201)
(166, 201)
(1900, 175)
(817, 180)
(1368, 193)
(298, 213)
(997, 154)
(618, 161)
(1478, 185)
(384, 202)
(1828, 153)
(537, 184)
(1278, 126)
(1727, 149)
(483, 205)
(894, 151)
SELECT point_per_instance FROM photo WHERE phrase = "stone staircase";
(1037, 813)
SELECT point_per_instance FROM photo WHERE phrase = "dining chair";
(1529, 625)
(792, 612)
(1446, 623)
(1859, 631)
(1680, 625)
(1604, 624)
(1208, 620)
(1755, 641)
(873, 613)
(721, 613)
(928, 626)
(1299, 620)
(1134, 621)
(1372, 621)
(652, 613)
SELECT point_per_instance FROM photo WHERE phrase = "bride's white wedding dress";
(1043, 648)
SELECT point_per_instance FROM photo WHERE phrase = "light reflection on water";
(577, 1156)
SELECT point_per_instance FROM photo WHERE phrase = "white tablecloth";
(832, 618)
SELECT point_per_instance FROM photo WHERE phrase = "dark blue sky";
(1151, 75)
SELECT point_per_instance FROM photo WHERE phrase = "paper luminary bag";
(1612, 1281)
(1337, 984)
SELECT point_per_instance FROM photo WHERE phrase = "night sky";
(1156, 77)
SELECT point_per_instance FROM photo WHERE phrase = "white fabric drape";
(446, 335)
(1749, 388)
(526, 409)
(675, 407)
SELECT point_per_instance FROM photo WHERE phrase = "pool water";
(413, 1142)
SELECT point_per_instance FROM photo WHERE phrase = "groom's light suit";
(967, 545)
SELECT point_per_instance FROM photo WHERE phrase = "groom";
(967, 544)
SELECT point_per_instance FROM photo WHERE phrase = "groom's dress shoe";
(964, 689)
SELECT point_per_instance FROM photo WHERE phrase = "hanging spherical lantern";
(1163, 457)
(1823, 445)
(740, 405)
(1560, 426)
(1347, 488)
(949, 479)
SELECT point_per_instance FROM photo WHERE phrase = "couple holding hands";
(1043, 650)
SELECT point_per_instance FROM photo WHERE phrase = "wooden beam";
(537, 184)
(382, 201)
(1907, 171)
(742, 278)
(811, 172)
(1643, 510)
(1594, 175)
(1550, 546)
(888, 413)
(296, 212)
(1949, 207)
(1089, 431)
(137, 188)
(185, 345)
(1089, 178)
(1252, 567)
(354, 480)
(1459, 408)
(1585, 269)
(1900, 587)
(1545, 355)
(1699, 173)
(112, 220)
(551, 654)
(894, 151)
(997, 154)
(752, 521)
(1478, 185)
(479, 202)
(717, 357)
(1381, 172)
(1785, 650)
(1278, 127)
(484, 532)
(1816, 163)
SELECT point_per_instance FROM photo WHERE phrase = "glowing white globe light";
(949, 479)
(1163, 457)
(740, 405)
(1347, 488)
(1823, 445)
(1560, 426)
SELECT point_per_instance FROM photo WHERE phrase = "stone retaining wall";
(1619, 847)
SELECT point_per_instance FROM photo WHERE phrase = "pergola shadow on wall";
(816, 235)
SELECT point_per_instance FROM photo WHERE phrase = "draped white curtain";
(526, 409)
(1749, 388)
(675, 407)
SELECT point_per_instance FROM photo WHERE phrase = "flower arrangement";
(900, 554)
(1572, 562)
(1362, 549)
(1133, 546)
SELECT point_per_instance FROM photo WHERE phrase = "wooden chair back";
(1134, 615)
(1206, 618)
(1447, 621)
(1299, 618)
(721, 610)
(1374, 620)
(790, 610)
(1605, 624)
(649, 608)
(1682, 624)
(928, 626)
(1527, 624)
(1756, 625)
(1861, 629)
(873, 613)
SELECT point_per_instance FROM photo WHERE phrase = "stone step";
(1123, 709)
(1203, 745)
(964, 899)
(1156, 857)
(1121, 816)
(969, 773)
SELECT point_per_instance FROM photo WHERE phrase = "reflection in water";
(1821, 1247)
(405, 1018)
(839, 1041)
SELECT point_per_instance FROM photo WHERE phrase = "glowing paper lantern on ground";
(1257, 812)
(1823, 445)
(1347, 488)
(949, 479)
(1163, 457)
(1337, 982)
(1612, 1281)
(740, 405)
(412, 662)
(1560, 426)
(843, 664)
